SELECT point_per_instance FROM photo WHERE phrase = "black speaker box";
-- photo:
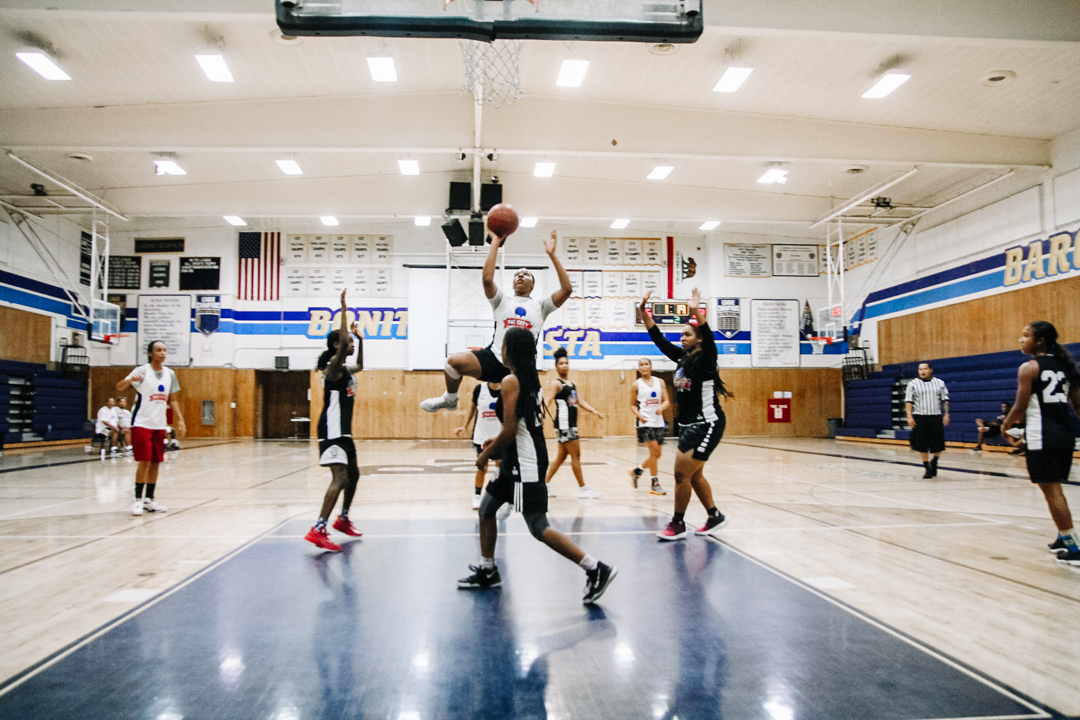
(460, 196)
(490, 196)
(476, 232)
(455, 234)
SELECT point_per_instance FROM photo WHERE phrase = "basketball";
(502, 220)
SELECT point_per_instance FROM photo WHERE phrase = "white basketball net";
(491, 71)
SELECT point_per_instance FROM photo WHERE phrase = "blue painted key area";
(687, 630)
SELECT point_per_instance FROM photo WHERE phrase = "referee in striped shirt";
(927, 403)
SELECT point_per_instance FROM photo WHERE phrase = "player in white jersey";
(517, 310)
(648, 400)
(484, 398)
(157, 388)
(105, 430)
(123, 424)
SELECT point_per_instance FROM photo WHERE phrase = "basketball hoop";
(492, 72)
(113, 339)
(819, 343)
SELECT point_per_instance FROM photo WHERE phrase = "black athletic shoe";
(481, 579)
(634, 475)
(1058, 547)
(933, 467)
(1069, 558)
(596, 582)
(929, 473)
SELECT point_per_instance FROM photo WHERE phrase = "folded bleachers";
(977, 384)
(38, 404)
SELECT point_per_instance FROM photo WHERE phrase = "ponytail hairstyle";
(150, 348)
(1046, 332)
(721, 388)
(331, 349)
(560, 352)
(520, 354)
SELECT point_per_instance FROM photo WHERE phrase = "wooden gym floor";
(844, 586)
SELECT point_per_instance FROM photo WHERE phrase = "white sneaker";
(551, 490)
(587, 494)
(439, 403)
(89, 448)
(475, 502)
(137, 506)
(504, 512)
(150, 506)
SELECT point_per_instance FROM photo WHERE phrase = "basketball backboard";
(105, 320)
(654, 21)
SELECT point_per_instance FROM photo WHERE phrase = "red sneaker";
(344, 525)
(673, 531)
(712, 524)
(321, 539)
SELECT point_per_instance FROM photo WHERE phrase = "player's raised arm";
(488, 274)
(337, 363)
(561, 295)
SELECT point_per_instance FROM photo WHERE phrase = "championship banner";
(207, 314)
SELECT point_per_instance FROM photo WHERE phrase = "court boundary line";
(56, 656)
(1041, 710)
(987, 473)
(107, 457)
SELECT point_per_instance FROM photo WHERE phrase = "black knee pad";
(537, 522)
(489, 505)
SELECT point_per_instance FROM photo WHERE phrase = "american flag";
(260, 266)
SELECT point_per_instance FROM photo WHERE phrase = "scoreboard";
(671, 312)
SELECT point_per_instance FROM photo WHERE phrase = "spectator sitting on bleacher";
(105, 429)
(991, 429)
(123, 423)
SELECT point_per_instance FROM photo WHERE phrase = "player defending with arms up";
(701, 419)
(1048, 384)
(336, 448)
(518, 310)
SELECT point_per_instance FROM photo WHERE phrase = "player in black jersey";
(1048, 384)
(700, 417)
(563, 392)
(336, 448)
(521, 475)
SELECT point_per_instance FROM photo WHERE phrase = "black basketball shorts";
(491, 368)
(928, 435)
(1051, 465)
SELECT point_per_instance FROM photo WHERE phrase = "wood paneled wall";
(26, 336)
(984, 325)
(388, 402)
(222, 385)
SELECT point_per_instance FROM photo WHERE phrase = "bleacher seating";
(977, 384)
(39, 404)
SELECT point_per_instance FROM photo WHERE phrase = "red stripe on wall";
(670, 266)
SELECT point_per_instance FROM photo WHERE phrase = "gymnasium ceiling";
(137, 93)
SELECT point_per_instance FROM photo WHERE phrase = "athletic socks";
(150, 490)
(933, 464)
(344, 513)
(589, 563)
(139, 490)
(677, 517)
(487, 563)
(321, 524)
(451, 396)
(1069, 538)
(713, 512)
(479, 490)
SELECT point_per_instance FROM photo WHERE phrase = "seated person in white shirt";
(105, 428)
(123, 423)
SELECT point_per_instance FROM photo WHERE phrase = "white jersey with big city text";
(516, 311)
(649, 397)
(153, 399)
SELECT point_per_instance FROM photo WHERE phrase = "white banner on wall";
(746, 260)
(166, 318)
(774, 328)
(795, 260)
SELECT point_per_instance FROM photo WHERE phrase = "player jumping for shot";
(518, 310)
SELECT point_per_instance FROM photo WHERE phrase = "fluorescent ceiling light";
(43, 65)
(528, 222)
(234, 220)
(660, 172)
(774, 175)
(422, 220)
(215, 68)
(168, 167)
(290, 167)
(709, 225)
(544, 169)
(732, 79)
(619, 224)
(382, 69)
(572, 73)
(329, 220)
(891, 80)
(409, 167)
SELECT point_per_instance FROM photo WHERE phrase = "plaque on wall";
(125, 272)
(339, 249)
(159, 245)
(795, 260)
(297, 249)
(318, 249)
(200, 273)
(159, 273)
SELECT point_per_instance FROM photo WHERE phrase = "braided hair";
(520, 355)
(332, 341)
(1048, 334)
